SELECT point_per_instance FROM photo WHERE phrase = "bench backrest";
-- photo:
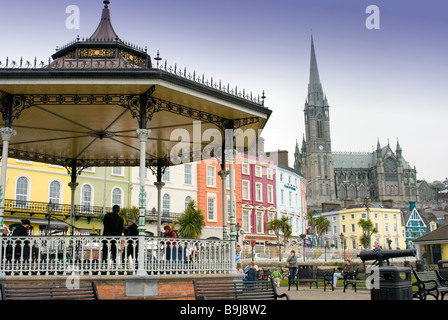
(234, 290)
(426, 276)
(83, 292)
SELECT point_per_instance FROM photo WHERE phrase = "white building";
(290, 199)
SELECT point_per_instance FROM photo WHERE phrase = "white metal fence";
(90, 255)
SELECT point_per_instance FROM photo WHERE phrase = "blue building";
(415, 227)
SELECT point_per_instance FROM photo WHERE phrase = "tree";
(280, 226)
(367, 230)
(191, 221)
(127, 213)
(321, 226)
(311, 220)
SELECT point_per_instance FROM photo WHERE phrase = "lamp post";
(50, 211)
(237, 228)
(341, 236)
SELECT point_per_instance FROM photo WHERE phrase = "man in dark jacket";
(112, 226)
(22, 231)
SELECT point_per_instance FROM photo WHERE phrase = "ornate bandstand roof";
(84, 106)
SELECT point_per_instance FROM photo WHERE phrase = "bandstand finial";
(106, 3)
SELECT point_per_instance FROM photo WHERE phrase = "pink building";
(258, 203)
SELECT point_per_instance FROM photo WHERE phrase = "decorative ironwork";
(14, 104)
(120, 63)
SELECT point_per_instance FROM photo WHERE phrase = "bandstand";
(101, 101)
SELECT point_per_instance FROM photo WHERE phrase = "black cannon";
(381, 256)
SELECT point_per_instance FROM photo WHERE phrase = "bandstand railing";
(64, 210)
(92, 255)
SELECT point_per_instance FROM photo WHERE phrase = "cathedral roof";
(363, 160)
(349, 160)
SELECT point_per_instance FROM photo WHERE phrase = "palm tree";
(280, 225)
(127, 213)
(191, 221)
(367, 230)
(321, 226)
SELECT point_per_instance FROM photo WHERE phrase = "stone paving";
(305, 293)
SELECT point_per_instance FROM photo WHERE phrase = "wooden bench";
(430, 283)
(313, 276)
(236, 290)
(56, 292)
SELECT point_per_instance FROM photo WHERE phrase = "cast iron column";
(142, 135)
(159, 184)
(7, 134)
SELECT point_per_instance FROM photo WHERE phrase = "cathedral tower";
(316, 157)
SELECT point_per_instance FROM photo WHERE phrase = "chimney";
(411, 205)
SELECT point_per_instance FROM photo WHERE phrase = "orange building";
(210, 197)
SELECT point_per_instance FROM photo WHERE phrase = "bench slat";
(49, 292)
(236, 290)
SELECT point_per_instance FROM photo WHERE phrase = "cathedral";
(382, 175)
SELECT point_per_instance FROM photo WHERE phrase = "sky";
(385, 83)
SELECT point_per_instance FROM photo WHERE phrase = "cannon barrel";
(382, 255)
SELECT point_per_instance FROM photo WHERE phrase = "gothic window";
(352, 192)
(390, 168)
(319, 169)
(325, 167)
(362, 193)
(320, 127)
(342, 193)
(390, 165)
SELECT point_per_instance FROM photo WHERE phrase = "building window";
(259, 222)
(258, 192)
(245, 190)
(270, 194)
(187, 201)
(211, 176)
(86, 198)
(282, 196)
(245, 168)
(211, 209)
(166, 204)
(187, 174)
(117, 197)
(353, 227)
(22, 189)
(118, 171)
(269, 173)
(258, 171)
(246, 220)
(166, 174)
(54, 195)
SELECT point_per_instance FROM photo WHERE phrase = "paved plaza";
(305, 293)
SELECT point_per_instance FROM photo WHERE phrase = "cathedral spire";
(315, 92)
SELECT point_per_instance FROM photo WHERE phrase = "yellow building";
(32, 191)
(387, 222)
